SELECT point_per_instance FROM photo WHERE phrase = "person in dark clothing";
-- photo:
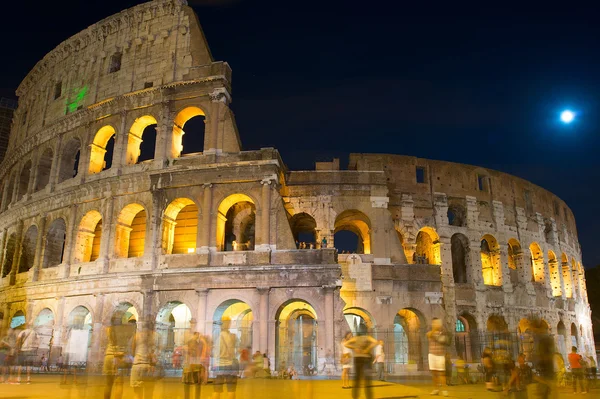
(362, 345)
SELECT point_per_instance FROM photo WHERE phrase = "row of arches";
(139, 146)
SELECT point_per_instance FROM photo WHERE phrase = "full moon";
(567, 116)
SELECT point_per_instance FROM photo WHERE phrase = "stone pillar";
(329, 319)
(201, 322)
(107, 235)
(380, 232)
(3, 249)
(220, 98)
(263, 321)
(164, 135)
(57, 337)
(476, 272)
(55, 165)
(5, 194)
(147, 310)
(17, 254)
(121, 140)
(264, 240)
(32, 175)
(506, 282)
(205, 232)
(97, 351)
(71, 236)
(6, 320)
(153, 244)
(39, 248)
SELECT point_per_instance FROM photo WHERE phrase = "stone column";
(55, 165)
(6, 320)
(147, 310)
(219, 97)
(3, 249)
(71, 236)
(32, 175)
(121, 140)
(97, 330)
(57, 337)
(263, 321)
(265, 217)
(507, 285)
(17, 253)
(106, 244)
(205, 233)
(201, 322)
(153, 244)
(39, 248)
(164, 135)
(329, 319)
(380, 247)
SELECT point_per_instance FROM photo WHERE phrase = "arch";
(236, 220)
(24, 180)
(574, 335)
(9, 253)
(78, 335)
(428, 247)
(496, 323)
(173, 323)
(515, 254)
(135, 136)
(537, 263)
(180, 227)
(28, 249)
(190, 143)
(296, 334)
(44, 168)
(358, 223)
(467, 338)
(236, 316)
(567, 276)
(562, 339)
(44, 327)
(408, 331)
(69, 159)
(304, 228)
(55, 243)
(456, 215)
(130, 237)
(359, 319)
(459, 245)
(18, 319)
(100, 147)
(490, 261)
(89, 234)
(554, 274)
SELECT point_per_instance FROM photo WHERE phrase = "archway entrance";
(407, 338)
(44, 327)
(236, 223)
(240, 318)
(173, 323)
(352, 232)
(304, 230)
(78, 336)
(358, 320)
(17, 320)
(296, 335)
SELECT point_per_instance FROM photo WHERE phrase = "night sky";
(323, 79)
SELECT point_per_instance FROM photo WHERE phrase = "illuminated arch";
(134, 138)
(44, 327)
(28, 249)
(239, 315)
(357, 317)
(496, 323)
(537, 263)
(554, 274)
(173, 323)
(9, 254)
(567, 275)
(491, 268)
(130, 234)
(408, 329)
(244, 239)
(358, 223)
(44, 167)
(179, 123)
(180, 227)
(303, 227)
(55, 243)
(296, 334)
(89, 234)
(98, 148)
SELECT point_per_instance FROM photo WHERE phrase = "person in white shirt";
(379, 361)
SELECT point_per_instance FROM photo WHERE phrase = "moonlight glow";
(567, 116)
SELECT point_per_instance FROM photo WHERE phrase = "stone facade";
(215, 231)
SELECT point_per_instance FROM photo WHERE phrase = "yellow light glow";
(191, 250)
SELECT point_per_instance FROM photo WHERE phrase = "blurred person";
(592, 372)
(257, 361)
(8, 351)
(577, 370)
(244, 361)
(346, 361)
(44, 364)
(361, 346)
(329, 365)
(59, 363)
(503, 362)
(544, 385)
(143, 375)
(176, 357)
(192, 366)
(310, 369)
(521, 376)
(461, 370)
(292, 373)
(379, 361)
(227, 365)
(27, 345)
(448, 365)
(438, 339)
(488, 368)
(266, 364)
(114, 359)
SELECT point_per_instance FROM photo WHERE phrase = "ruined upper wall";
(150, 45)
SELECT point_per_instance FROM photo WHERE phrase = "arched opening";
(574, 335)
(355, 224)
(131, 232)
(44, 327)
(456, 215)
(296, 337)
(537, 263)
(24, 180)
(192, 139)
(235, 316)
(581, 279)
(69, 160)
(10, 189)
(9, 253)
(44, 168)
(18, 319)
(304, 230)
(141, 140)
(467, 338)
(359, 320)
(180, 227)
(28, 249)
(529, 329)
(87, 248)
(173, 323)
(55, 243)
(554, 274)
(566, 274)
(428, 247)
(496, 324)
(459, 245)
(101, 150)
(407, 338)
(562, 339)
(514, 260)
(490, 261)
(236, 222)
(78, 336)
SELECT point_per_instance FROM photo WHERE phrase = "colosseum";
(109, 213)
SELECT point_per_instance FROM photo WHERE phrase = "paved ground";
(48, 386)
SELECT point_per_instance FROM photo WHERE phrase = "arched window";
(554, 274)
(87, 248)
(43, 169)
(460, 326)
(456, 215)
(131, 232)
(24, 180)
(352, 232)
(567, 276)
(28, 249)
(9, 253)
(236, 223)
(55, 243)
(460, 252)
(180, 227)
(428, 247)
(69, 160)
(304, 228)
(101, 150)
(490, 261)
(296, 334)
(192, 139)
(141, 140)
(537, 263)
